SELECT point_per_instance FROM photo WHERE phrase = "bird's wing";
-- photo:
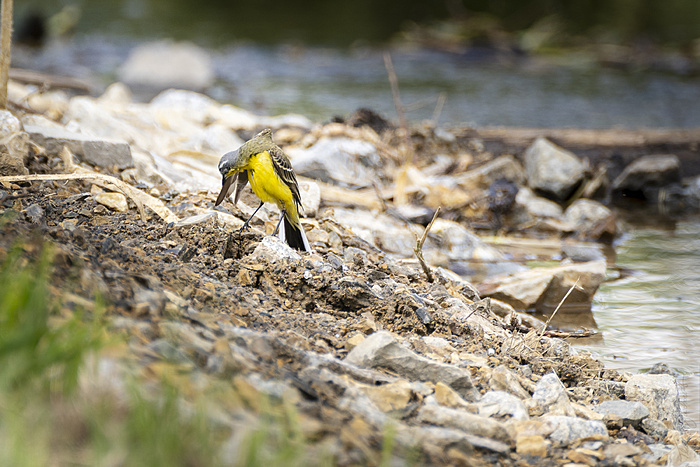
(283, 169)
(238, 185)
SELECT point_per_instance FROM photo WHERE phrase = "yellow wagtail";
(262, 163)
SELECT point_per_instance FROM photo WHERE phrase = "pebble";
(114, 201)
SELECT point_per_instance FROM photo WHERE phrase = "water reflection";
(653, 315)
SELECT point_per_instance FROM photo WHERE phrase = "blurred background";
(541, 63)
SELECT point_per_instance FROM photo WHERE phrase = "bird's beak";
(226, 185)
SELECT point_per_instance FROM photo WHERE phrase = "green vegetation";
(47, 417)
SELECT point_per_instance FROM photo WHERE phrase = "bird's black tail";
(294, 236)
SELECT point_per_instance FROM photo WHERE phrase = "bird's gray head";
(238, 160)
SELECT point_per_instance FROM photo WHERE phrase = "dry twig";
(394, 82)
(571, 289)
(140, 198)
(418, 250)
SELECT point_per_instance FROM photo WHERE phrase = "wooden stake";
(5, 47)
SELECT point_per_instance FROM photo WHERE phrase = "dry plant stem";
(139, 198)
(438, 107)
(378, 192)
(394, 82)
(418, 250)
(571, 289)
(5, 45)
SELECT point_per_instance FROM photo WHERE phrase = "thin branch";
(438, 107)
(394, 82)
(139, 198)
(418, 250)
(571, 289)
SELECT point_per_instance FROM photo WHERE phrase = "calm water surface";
(653, 315)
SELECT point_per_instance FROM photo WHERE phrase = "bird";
(262, 163)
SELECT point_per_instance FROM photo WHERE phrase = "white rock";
(536, 206)
(460, 243)
(543, 288)
(310, 194)
(501, 168)
(273, 249)
(659, 393)
(9, 124)
(550, 395)
(566, 430)
(114, 201)
(587, 215)
(552, 170)
(167, 64)
(382, 350)
(502, 404)
(100, 152)
(435, 414)
(630, 412)
(337, 160)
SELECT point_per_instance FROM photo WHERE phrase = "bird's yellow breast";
(267, 185)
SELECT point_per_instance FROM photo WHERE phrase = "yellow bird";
(262, 163)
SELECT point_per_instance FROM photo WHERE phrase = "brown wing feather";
(283, 169)
(232, 185)
(240, 183)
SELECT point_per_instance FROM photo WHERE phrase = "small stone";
(591, 220)
(646, 175)
(631, 413)
(198, 219)
(354, 340)
(659, 393)
(392, 396)
(614, 451)
(550, 394)
(566, 430)
(581, 458)
(551, 170)
(673, 437)
(101, 152)
(168, 64)
(382, 350)
(114, 201)
(683, 455)
(337, 160)
(35, 213)
(447, 396)
(692, 439)
(461, 419)
(654, 427)
(531, 445)
(502, 405)
(502, 379)
(272, 249)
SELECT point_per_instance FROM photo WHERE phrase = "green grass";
(46, 418)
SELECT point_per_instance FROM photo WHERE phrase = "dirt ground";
(203, 275)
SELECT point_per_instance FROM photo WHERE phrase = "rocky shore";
(368, 346)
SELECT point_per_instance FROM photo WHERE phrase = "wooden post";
(5, 43)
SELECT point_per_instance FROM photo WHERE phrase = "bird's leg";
(246, 224)
(282, 213)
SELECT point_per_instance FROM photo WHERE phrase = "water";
(479, 90)
(653, 315)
